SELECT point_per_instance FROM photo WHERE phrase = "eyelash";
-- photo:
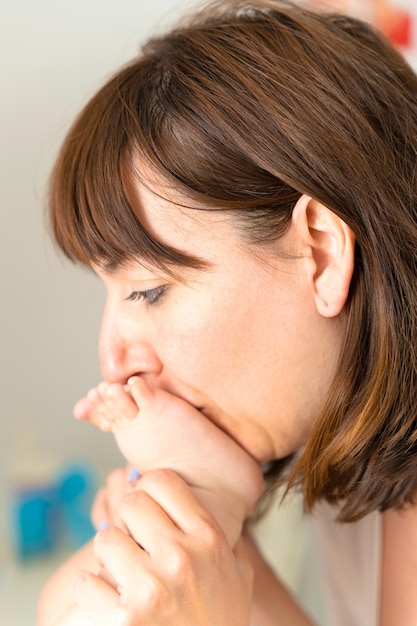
(150, 296)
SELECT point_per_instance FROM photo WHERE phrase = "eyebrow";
(186, 262)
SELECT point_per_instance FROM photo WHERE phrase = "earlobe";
(331, 245)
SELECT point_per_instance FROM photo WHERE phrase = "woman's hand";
(271, 602)
(56, 597)
(104, 510)
(174, 566)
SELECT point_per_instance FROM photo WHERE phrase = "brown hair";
(244, 108)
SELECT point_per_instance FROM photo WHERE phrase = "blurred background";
(54, 55)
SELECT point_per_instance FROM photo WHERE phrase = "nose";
(125, 348)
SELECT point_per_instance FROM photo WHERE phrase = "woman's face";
(242, 341)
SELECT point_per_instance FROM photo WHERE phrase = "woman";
(249, 181)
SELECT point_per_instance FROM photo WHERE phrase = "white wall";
(54, 55)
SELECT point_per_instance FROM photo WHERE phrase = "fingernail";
(132, 380)
(103, 525)
(134, 474)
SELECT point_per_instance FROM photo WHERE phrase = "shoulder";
(399, 567)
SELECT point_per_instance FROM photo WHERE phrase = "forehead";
(179, 222)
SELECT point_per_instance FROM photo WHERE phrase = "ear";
(328, 246)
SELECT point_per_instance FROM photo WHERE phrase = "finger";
(148, 523)
(107, 500)
(100, 512)
(96, 599)
(122, 557)
(176, 498)
(117, 487)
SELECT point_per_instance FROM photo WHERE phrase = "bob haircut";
(243, 108)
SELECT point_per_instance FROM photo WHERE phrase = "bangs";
(167, 112)
(92, 217)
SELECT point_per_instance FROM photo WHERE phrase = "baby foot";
(155, 429)
(106, 404)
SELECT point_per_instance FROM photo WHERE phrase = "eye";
(150, 296)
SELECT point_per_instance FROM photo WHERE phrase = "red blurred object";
(391, 19)
(397, 26)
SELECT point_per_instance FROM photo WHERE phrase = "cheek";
(214, 350)
(190, 353)
(200, 341)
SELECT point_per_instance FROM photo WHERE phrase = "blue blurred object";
(35, 518)
(77, 485)
(47, 515)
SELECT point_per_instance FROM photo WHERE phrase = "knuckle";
(81, 585)
(124, 617)
(160, 475)
(153, 594)
(181, 565)
(132, 499)
(213, 539)
(106, 536)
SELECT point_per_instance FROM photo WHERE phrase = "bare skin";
(155, 429)
(210, 338)
(246, 570)
(399, 568)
